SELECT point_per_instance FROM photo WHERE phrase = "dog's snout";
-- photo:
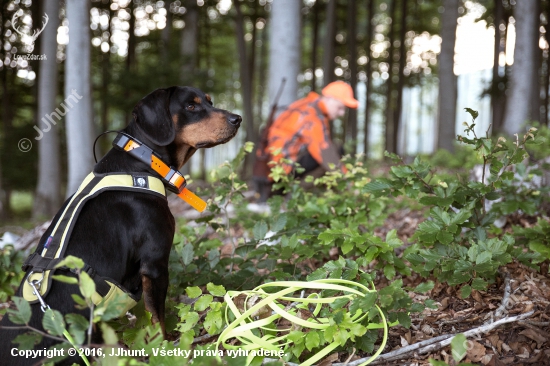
(234, 119)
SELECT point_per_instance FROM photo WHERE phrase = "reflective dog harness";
(42, 265)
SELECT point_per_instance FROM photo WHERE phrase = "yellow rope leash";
(246, 322)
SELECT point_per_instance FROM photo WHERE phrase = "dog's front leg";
(154, 295)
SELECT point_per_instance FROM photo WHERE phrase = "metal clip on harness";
(35, 285)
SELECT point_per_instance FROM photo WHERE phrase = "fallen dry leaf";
(477, 296)
(329, 360)
(475, 351)
(444, 304)
(534, 335)
(486, 359)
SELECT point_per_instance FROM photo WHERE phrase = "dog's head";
(183, 119)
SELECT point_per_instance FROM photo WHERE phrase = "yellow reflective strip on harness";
(124, 301)
(108, 181)
(83, 185)
(155, 184)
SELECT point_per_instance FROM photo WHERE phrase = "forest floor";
(509, 324)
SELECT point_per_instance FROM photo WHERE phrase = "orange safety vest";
(304, 123)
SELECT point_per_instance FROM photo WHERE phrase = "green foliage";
(10, 271)
(536, 237)
(327, 232)
(454, 243)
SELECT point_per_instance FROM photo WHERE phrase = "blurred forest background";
(72, 69)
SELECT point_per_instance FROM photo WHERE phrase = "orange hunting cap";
(341, 91)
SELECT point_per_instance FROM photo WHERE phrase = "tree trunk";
(518, 105)
(284, 56)
(165, 38)
(390, 101)
(314, 47)
(447, 78)
(368, 92)
(262, 67)
(131, 57)
(351, 126)
(246, 71)
(79, 122)
(537, 64)
(7, 115)
(544, 121)
(497, 94)
(189, 44)
(401, 82)
(48, 194)
(188, 52)
(328, 60)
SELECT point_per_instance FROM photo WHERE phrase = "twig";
(203, 338)
(350, 356)
(535, 323)
(437, 343)
(501, 310)
(286, 363)
(398, 352)
(28, 327)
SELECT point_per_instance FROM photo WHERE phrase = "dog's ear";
(152, 115)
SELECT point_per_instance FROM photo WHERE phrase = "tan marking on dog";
(197, 100)
(175, 119)
(207, 96)
(210, 132)
(184, 153)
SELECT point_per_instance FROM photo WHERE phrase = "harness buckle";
(35, 286)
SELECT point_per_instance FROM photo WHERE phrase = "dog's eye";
(190, 107)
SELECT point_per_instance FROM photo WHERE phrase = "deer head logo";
(28, 39)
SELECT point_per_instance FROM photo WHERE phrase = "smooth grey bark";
(48, 194)
(328, 56)
(397, 123)
(284, 54)
(391, 143)
(188, 44)
(497, 95)
(368, 70)
(351, 125)
(447, 78)
(188, 52)
(519, 98)
(79, 121)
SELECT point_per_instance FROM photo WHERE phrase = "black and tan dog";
(127, 236)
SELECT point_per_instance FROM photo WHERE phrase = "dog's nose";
(234, 119)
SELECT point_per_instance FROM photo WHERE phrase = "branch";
(501, 310)
(28, 327)
(399, 351)
(437, 343)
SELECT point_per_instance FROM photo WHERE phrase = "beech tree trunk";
(351, 126)
(447, 78)
(48, 193)
(497, 94)
(518, 104)
(401, 82)
(368, 70)
(79, 121)
(285, 46)
(328, 58)
(315, 40)
(390, 100)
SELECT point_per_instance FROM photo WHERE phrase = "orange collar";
(176, 182)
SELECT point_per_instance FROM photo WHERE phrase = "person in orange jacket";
(301, 133)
